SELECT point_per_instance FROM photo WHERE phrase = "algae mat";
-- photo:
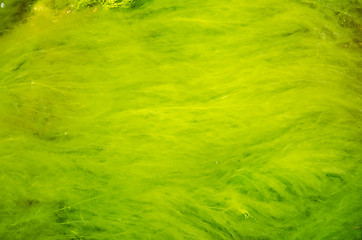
(180, 119)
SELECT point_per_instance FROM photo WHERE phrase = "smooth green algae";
(180, 119)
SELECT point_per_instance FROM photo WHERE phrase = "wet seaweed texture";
(13, 12)
(180, 120)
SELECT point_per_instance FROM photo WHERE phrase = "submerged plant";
(181, 120)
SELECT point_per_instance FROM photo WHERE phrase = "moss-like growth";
(182, 119)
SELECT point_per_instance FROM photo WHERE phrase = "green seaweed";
(180, 120)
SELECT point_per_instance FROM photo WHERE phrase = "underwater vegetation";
(126, 119)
